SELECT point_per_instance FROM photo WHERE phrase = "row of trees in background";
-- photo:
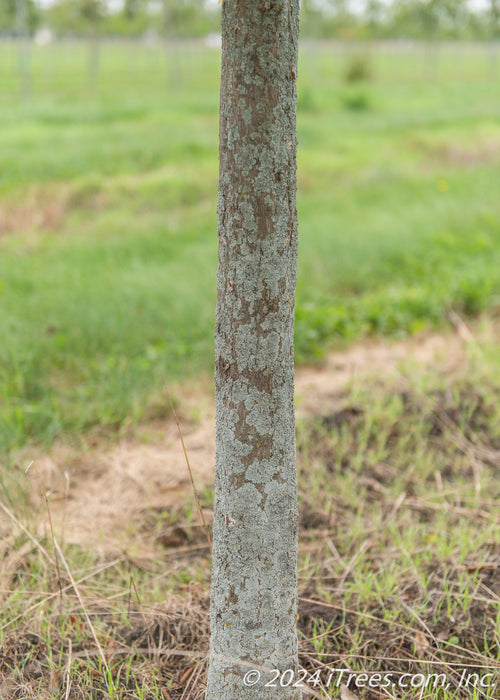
(401, 19)
(135, 18)
(336, 19)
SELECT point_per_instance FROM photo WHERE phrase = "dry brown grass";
(45, 208)
(459, 155)
(399, 555)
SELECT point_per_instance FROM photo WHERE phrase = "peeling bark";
(254, 586)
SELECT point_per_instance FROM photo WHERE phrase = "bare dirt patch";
(46, 208)
(30, 215)
(460, 155)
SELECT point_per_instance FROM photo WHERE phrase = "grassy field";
(108, 191)
(108, 187)
(399, 559)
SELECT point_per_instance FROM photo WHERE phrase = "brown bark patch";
(261, 446)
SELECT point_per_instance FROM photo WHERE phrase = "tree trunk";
(254, 584)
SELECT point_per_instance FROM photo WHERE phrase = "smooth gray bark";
(254, 584)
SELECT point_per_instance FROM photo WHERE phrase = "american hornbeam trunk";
(254, 580)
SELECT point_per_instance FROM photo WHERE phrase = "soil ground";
(399, 538)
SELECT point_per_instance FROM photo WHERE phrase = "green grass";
(391, 483)
(398, 561)
(108, 194)
(107, 285)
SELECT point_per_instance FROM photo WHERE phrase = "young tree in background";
(254, 586)
(9, 15)
(375, 15)
(494, 19)
(494, 35)
(132, 8)
(23, 41)
(342, 18)
(92, 12)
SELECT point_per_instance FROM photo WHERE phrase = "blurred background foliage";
(339, 19)
(108, 192)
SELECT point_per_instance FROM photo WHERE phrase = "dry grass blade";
(59, 578)
(419, 620)
(421, 504)
(193, 681)
(462, 442)
(27, 533)
(367, 543)
(84, 609)
(463, 330)
(422, 557)
(407, 631)
(346, 694)
(198, 504)
(132, 583)
(46, 599)
(308, 691)
(68, 671)
(146, 651)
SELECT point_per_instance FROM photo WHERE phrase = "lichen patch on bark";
(254, 588)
